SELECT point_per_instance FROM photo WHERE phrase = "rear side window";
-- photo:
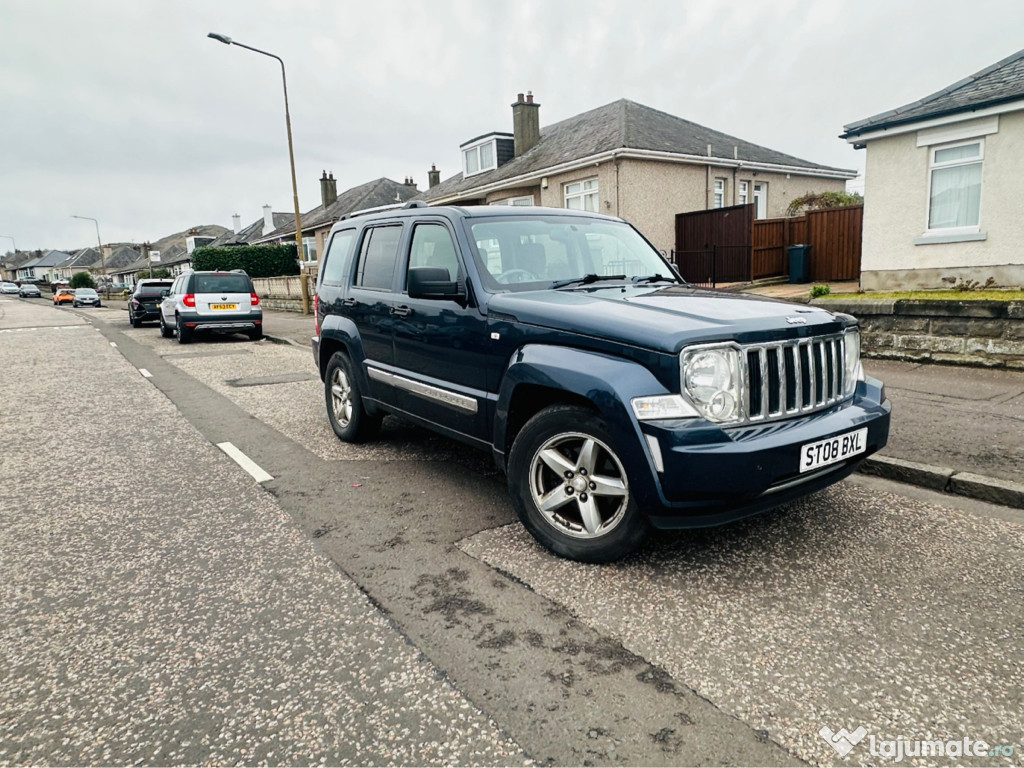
(337, 257)
(378, 257)
(222, 284)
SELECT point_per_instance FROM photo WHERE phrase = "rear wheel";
(136, 322)
(349, 418)
(255, 334)
(183, 331)
(570, 489)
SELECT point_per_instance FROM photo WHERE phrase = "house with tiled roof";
(10, 262)
(84, 260)
(317, 223)
(629, 160)
(942, 184)
(42, 267)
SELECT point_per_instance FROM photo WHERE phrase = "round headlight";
(709, 370)
(712, 382)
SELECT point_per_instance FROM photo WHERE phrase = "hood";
(665, 318)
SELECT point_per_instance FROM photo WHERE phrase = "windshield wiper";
(586, 280)
(653, 279)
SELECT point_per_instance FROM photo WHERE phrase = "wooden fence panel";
(835, 238)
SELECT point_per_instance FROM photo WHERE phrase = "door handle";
(402, 311)
(349, 302)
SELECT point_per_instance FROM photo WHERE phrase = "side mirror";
(165, 292)
(433, 283)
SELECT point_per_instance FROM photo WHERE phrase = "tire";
(349, 418)
(256, 334)
(184, 333)
(570, 489)
(136, 323)
(74, 304)
(165, 330)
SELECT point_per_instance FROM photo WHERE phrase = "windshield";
(85, 292)
(529, 252)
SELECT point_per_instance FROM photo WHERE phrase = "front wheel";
(570, 489)
(165, 330)
(349, 418)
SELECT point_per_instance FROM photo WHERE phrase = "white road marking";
(113, 343)
(250, 466)
(43, 328)
(145, 373)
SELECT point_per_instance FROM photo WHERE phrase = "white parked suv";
(211, 302)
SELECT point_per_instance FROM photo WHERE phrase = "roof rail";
(415, 204)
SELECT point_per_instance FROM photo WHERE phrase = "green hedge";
(256, 260)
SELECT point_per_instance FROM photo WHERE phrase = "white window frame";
(474, 150)
(933, 166)
(583, 190)
(760, 199)
(718, 193)
(309, 244)
(743, 192)
(521, 200)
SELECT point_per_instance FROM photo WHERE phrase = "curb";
(980, 487)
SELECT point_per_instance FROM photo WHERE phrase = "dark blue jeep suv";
(615, 396)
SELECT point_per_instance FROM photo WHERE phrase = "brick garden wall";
(983, 333)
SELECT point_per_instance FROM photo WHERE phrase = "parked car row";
(198, 302)
(26, 290)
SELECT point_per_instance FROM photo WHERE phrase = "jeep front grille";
(793, 377)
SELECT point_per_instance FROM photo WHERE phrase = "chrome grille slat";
(771, 367)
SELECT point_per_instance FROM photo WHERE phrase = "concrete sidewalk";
(956, 429)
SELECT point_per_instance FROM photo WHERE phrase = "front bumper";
(713, 475)
(228, 322)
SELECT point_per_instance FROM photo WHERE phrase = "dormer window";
(485, 153)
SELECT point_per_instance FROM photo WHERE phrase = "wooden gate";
(714, 246)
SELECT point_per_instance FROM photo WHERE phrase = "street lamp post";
(291, 158)
(99, 244)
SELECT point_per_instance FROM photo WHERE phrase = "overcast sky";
(124, 111)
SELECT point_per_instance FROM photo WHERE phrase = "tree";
(816, 201)
(156, 273)
(82, 280)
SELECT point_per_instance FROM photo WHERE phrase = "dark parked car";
(29, 291)
(614, 396)
(145, 301)
(86, 297)
(211, 302)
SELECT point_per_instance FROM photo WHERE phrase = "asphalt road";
(869, 605)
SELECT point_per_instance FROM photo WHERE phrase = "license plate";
(223, 306)
(832, 450)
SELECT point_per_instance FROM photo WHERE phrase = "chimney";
(433, 176)
(525, 123)
(268, 220)
(409, 182)
(236, 223)
(328, 189)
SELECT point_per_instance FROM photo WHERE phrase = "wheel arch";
(543, 375)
